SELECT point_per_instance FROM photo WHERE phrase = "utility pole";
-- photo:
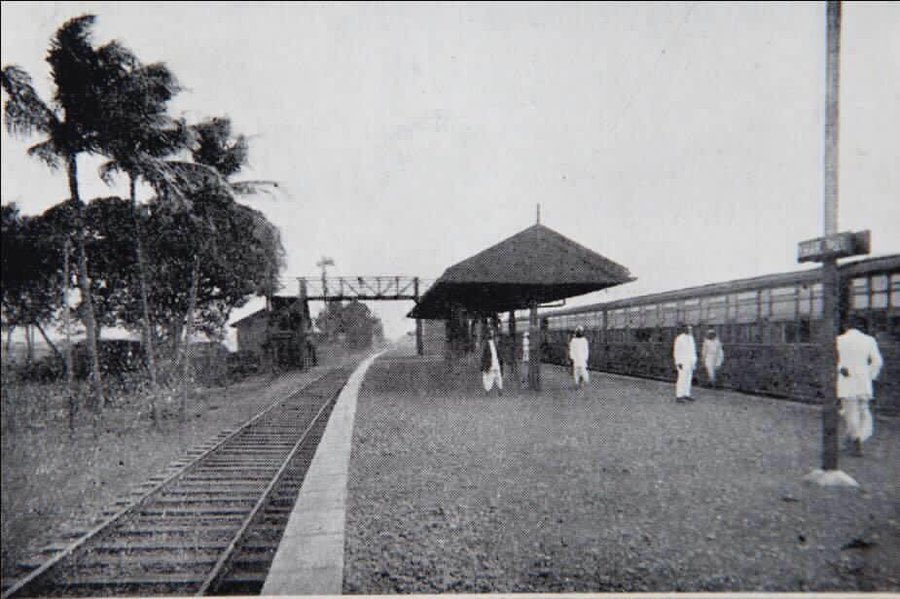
(830, 283)
(827, 250)
(324, 263)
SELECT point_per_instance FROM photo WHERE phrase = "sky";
(681, 140)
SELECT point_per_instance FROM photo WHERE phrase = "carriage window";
(784, 303)
(879, 291)
(765, 302)
(895, 291)
(803, 299)
(670, 314)
(691, 309)
(651, 318)
(634, 317)
(860, 291)
(746, 307)
(817, 301)
(714, 309)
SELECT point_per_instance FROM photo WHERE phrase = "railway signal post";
(827, 250)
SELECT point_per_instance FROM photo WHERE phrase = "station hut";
(533, 267)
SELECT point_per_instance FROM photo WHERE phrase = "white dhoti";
(490, 378)
(580, 373)
(683, 384)
(711, 367)
(857, 416)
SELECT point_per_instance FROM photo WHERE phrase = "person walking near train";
(685, 354)
(712, 355)
(859, 363)
(491, 373)
(578, 354)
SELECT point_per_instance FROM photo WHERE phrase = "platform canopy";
(537, 264)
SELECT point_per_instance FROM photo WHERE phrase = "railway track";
(212, 525)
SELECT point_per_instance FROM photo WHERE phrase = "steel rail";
(142, 500)
(264, 498)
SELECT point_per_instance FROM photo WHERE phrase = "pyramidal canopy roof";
(537, 264)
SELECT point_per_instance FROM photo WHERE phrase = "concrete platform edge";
(310, 558)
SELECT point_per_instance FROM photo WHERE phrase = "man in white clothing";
(712, 355)
(578, 354)
(859, 363)
(526, 349)
(685, 354)
(490, 365)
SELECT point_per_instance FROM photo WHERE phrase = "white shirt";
(495, 363)
(712, 352)
(858, 353)
(526, 346)
(685, 351)
(578, 351)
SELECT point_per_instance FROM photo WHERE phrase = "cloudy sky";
(682, 140)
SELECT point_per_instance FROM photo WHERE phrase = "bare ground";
(615, 489)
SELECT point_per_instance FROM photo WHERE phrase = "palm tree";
(216, 149)
(138, 136)
(70, 126)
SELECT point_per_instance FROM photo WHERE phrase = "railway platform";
(616, 488)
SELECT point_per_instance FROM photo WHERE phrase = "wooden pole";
(420, 348)
(70, 373)
(830, 277)
(514, 347)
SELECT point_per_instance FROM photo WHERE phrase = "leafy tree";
(353, 320)
(112, 266)
(219, 254)
(70, 127)
(31, 280)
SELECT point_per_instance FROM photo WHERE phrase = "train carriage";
(769, 326)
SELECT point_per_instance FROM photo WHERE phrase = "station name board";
(839, 245)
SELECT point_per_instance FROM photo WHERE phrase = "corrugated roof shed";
(535, 264)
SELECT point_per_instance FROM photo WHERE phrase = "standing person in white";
(490, 365)
(578, 354)
(859, 363)
(712, 355)
(685, 354)
(526, 349)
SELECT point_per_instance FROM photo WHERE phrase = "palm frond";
(114, 54)
(255, 186)
(46, 152)
(179, 180)
(25, 111)
(108, 170)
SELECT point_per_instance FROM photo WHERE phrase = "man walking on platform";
(490, 365)
(712, 355)
(578, 354)
(859, 363)
(685, 355)
(526, 348)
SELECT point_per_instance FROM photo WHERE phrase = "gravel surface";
(615, 489)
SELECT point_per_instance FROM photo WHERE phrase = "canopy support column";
(513, 344)
(534, 356)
